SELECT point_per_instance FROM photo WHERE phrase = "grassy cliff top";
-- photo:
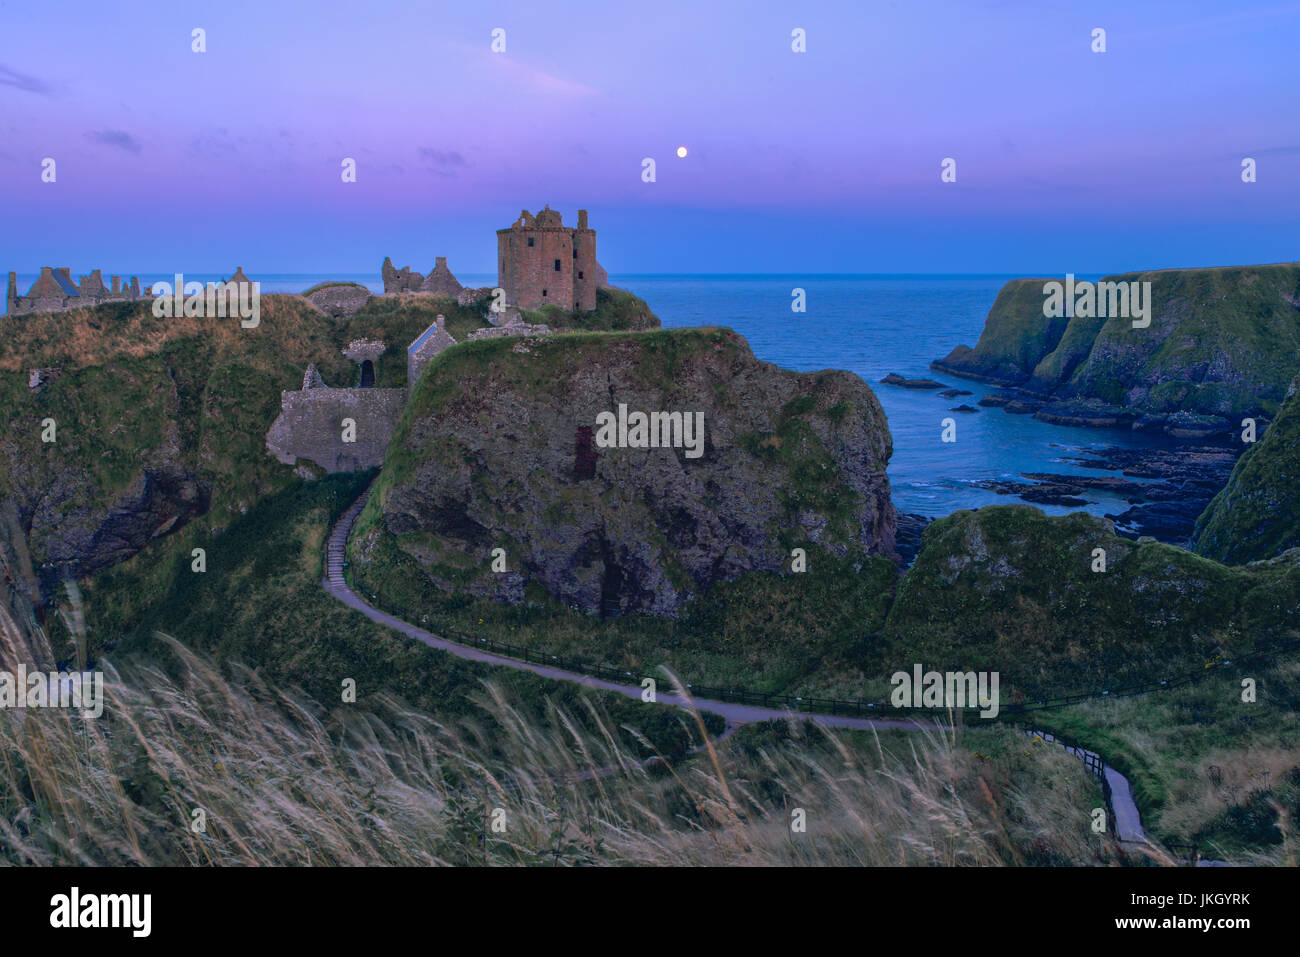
(1222, 341)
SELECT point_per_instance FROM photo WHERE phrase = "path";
(1127, 825)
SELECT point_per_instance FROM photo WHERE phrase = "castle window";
(575, 252)
(530, 240)
(543, 292)
(557, 265)
(579, 273)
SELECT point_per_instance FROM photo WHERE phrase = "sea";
(871, 325)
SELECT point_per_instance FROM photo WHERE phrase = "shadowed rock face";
(86, 539)
(69, 536)
(501, 449)
(1257, 514)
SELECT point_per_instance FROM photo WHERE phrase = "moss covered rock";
(1257, 514)
(1222, 343)
(499, 448)
(156, 421)
(1009, 589)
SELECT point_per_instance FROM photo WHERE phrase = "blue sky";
(824, 161)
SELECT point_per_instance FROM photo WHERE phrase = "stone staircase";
(336, 547)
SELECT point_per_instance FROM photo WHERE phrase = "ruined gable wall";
(310, 426)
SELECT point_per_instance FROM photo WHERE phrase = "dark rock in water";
(1181, 481)
(1149, 423)
(995, 401)
(1184, 482)
(1118, 486)
(1040, 494)
(954, 393)
(1168, 522)
(908, 537)
(963, 408)
(1053, 495)
(1022, 407)
(895, 379)
(1086, 414)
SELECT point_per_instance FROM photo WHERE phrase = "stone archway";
(367, 375)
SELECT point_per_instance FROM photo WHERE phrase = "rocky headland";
(498, 450)
(1221, 344)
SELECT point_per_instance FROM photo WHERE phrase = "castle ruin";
(310, 424)
(542, 262)
(54, 291)
(439, 282)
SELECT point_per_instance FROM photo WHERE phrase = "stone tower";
(540, 261)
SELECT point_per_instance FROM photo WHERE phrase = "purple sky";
(825, 161)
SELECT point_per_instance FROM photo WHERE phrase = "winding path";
(1128, 822)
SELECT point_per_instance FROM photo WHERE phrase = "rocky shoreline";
(1096, 414)
(1166, 487)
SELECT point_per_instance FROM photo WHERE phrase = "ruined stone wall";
(310, 426)
(47, 295)
(514, 329)
(586, 271)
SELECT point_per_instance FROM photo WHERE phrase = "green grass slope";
(1009, 589)
(1257, 514)
(1222, 342)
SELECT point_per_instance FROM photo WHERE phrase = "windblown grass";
(280, 780)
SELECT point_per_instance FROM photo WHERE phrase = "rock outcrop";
(1222, 343)
(1257, 514)
(501, 449)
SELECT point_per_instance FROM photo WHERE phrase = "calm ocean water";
(870, 325)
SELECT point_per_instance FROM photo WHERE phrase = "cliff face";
(160, 422)
(1257, 514)
(499, 449)
(1222, 343)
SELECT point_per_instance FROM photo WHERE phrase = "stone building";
(54, 291)
(540, 261)
(429, 343)
(341, 430)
